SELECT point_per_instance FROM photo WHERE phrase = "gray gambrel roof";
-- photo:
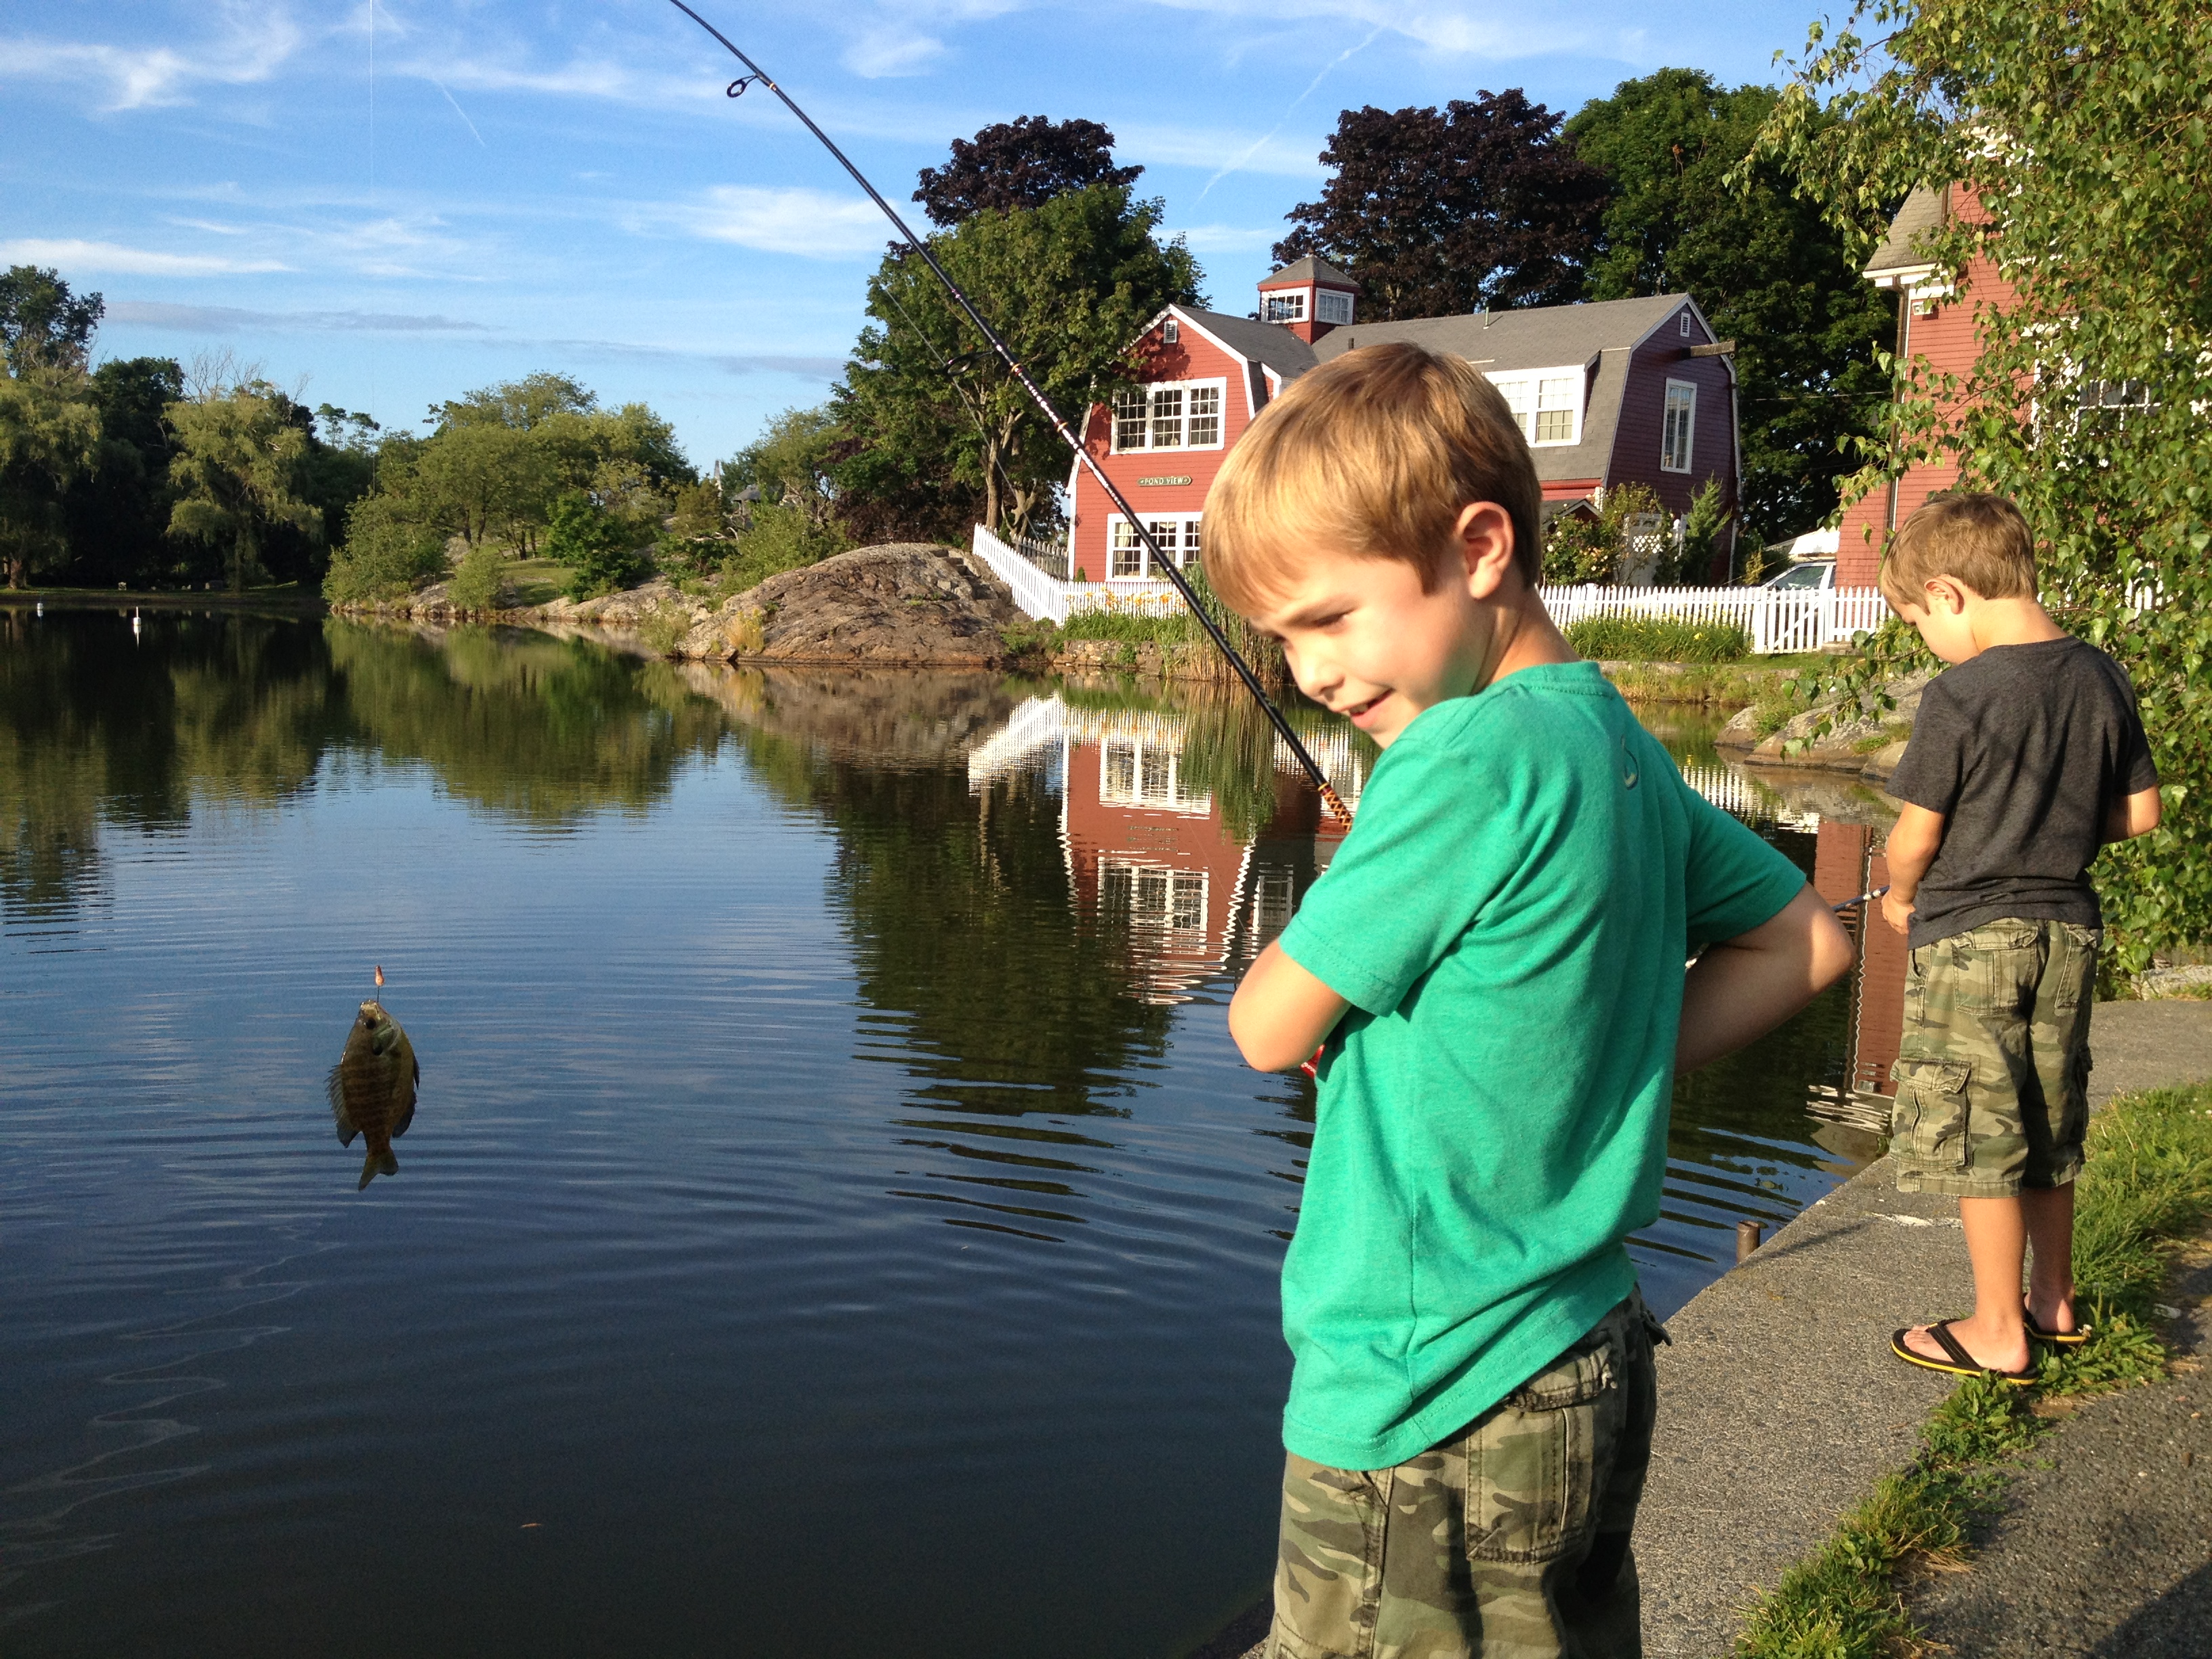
(1925, 208)
(1597, 338)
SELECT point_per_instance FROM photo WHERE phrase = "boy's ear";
(1483, 539)
(1947, 593)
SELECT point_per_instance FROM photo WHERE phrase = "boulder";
(1859, 741)
(906, 602)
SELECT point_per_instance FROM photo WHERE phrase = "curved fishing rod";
(1160, 561)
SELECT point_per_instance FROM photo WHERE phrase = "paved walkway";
(1780, 1403)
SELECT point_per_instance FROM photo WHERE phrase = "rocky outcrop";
(906, 602)
(1860, 740)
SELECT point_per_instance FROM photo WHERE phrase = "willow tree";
(238, 472)
(1067, 284)
(2081, 132)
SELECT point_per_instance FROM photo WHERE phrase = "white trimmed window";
(1179, 415)
(1152, 896)
(1546, 403)
(1678, 426)
(1178, 533)
(1685, 317)
(1332, 306)
(1289, 308)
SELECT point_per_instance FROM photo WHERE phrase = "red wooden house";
(1935, 325)
(1618, 392)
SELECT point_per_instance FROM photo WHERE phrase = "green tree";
(49, 416)
(387, 552)
(2082, 132)
(240, 474)
(1068, 284)
(1689, 213)
(1438, 212)
(600, 550)
(118, 510)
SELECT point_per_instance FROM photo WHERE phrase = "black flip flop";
(1960, 1363)
(2073, 1339)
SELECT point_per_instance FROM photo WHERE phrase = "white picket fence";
(1056, 600)
(1777, 620)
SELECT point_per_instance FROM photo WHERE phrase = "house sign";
(1177, 478)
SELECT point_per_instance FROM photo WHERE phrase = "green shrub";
(1131, 627)
(385, 554)
(594, 544)
(779, 538)
(1658, 639)
(477, 582)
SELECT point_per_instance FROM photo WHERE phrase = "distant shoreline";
(291, 601)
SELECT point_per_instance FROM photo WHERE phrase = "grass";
(2147, 1187)
(1658, 639)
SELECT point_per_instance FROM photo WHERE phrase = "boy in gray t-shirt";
(2027, 756)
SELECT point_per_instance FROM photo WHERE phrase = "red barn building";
(1935, 326)
(1618, 392)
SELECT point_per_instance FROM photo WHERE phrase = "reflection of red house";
(1618, 392)
(1935, 330)
(1846, 865)
(1145, 848)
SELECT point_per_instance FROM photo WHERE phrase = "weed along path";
(1782, 1414)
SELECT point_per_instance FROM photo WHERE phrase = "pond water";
(836, 1221)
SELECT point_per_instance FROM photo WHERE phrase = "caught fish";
(372, 1089)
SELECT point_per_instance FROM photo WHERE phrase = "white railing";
(1056, 600)
(1777, 620)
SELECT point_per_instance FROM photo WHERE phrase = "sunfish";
(372, 1089)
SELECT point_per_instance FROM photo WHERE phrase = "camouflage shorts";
(1993, 1071)
(1509, 1541)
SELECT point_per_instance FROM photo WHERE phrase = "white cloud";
(1228, 239)
(251, 42)
(75, 254)
(230, 319)
(813, 223)
(892, 49)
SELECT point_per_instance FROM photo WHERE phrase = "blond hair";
(1373, 454)
(1978, 540)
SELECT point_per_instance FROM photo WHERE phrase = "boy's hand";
(1281, 1012)
(1897, 912)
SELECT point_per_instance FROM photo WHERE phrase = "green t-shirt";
(1509, 918)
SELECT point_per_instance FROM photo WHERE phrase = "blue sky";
(392, 206)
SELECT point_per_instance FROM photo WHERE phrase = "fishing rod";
(756, 75)
(1853, 904)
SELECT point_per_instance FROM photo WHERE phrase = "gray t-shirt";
(2023, 750)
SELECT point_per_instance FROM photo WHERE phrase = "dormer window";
(1332, 306)
(1289, 308)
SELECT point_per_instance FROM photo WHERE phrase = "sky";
(383, 204)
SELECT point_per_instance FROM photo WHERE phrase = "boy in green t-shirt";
(1492, 967)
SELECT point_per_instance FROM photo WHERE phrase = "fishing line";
(756, 76)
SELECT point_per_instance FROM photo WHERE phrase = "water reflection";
(839, 1082)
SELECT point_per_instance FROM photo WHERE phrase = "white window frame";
(1122, 875)
(1525, 390)
(1186, 546)
(1684, 315)
(1328, 300)
(1670, 461)
(1182, 392)
(1291, 301)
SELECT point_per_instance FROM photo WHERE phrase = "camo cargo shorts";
(1509, 1541)
(1993, 1071)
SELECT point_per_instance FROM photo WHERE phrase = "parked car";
(1806, 574)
